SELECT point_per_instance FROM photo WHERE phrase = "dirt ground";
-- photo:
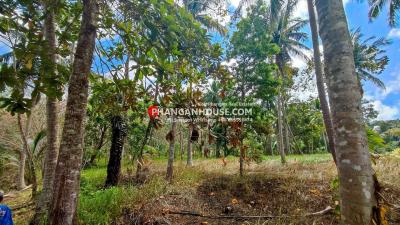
(210, 193)
(285, 194)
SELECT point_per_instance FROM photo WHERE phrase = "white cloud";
(394, 33)
(229, 63)
(300, 62)
(235, 3)
(302, 8)
(386, 112)
(392, 87)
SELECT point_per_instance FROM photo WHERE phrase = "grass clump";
(99, 206)
(102, 206)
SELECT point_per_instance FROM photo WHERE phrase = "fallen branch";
(12, 194)
(396, 207)
(237, 217)
(16, 208)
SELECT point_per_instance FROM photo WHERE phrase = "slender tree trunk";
(241, 158)
(280, 130)
(146, 135)
(181, 142)
(280, 108)
(320, 80)
(27, 150)
(286, 131)
(242, 150)
(171, 152)
(66, 184)
(285, 122)
(189, 148)
(99, 145)
(51, 153)
(356, 176)
(21, 169)
(117, 145)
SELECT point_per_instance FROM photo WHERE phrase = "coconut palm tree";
(368, 57)
(356, 175)
(323, 98)
(199, 9)
(376, 7)
(288, 35)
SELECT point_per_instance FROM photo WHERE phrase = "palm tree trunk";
(181, 142)
(326, 114)
(286, 130)
(171, 152)
(356, 176)
(66, 184)
(117, 145)
(280, 109)
(189, 161)
(280, 130)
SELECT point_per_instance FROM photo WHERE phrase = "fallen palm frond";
(239, 217)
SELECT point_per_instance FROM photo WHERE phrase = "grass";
(310, 158)
(99, 206)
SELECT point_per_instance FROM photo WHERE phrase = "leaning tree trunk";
(171, 152)
(66, 184)
(320, 80)
(356, 176)
(189, 161)
(117, 144)
(51, 153)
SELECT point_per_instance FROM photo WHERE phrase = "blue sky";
(386, 102)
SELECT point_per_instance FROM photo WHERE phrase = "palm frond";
(36, 141)
(376, 7)
(212, 24)
(369, 57)
(366, 76)
(6, 57)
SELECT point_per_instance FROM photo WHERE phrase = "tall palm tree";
(376, 7)
(326, 113)
(356, 176)
(199, 9)
(288, 35)
(368, 57)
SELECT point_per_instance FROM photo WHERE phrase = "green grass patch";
(99, 206)
(305, 158)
